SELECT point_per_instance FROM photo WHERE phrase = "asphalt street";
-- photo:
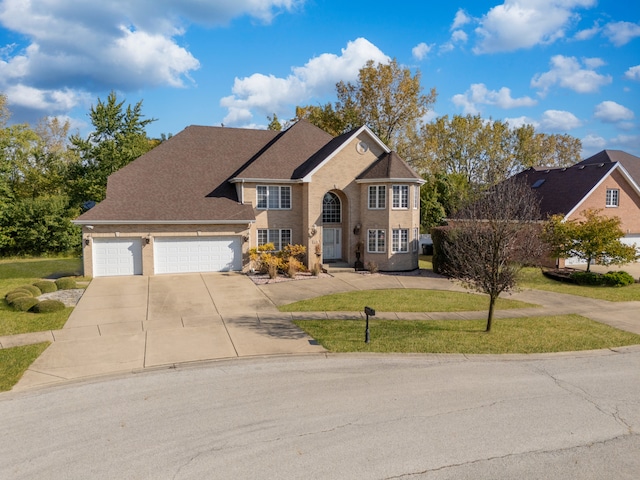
(569, 416)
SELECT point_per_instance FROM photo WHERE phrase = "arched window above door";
(331, 208)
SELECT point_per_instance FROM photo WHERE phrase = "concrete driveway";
(132, 323)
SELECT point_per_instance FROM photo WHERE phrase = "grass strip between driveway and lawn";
(557, 333)
(14, 361)
(401, 300)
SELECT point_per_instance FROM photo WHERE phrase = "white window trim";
(416, 239)
(378, 250)
(396, 247)
(279, 187)
(377, 197)
(400, 188)
(609, 195)
(416, 197)
(279, 242)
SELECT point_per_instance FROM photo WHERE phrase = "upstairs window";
(377, 197)
(400, 196)
(273, 197)
(613, 197)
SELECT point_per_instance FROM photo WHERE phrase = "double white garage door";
(123, 256)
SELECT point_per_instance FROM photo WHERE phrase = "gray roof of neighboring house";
(188, 177)
(561, 189)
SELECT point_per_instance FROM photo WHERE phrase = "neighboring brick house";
(199, 201)
(608, 181)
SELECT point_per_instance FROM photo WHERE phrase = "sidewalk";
(132, 323)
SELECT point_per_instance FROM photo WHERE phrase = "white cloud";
(459, 36)
(633, 73)
(268, 93)
(76, 45)
(559, 121)
(593, 142)
(593, 63)
(517, 122)
(460, 19)
(421, 50)
(568, 73)
(478, 94)
(621, 33)
(520, 24)
(612, 112)
(588, 33)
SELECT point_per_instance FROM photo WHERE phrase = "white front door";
(332, 243)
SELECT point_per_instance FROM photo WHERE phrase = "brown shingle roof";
(389, 165)
(283, 157)
(561, 189)
(188, 177)
(183, 179)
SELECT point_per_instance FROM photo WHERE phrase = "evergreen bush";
(66, 283)
(48, 306)
(587, 278)
(35, 291)
(17, 294)
(617, 279)
(24, 304)
(46, 286)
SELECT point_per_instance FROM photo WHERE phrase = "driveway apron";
(132, 323)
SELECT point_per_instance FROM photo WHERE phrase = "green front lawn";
(558, 333)
(401, 300)
(14, 361)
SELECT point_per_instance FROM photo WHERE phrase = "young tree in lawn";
(595, 237)
(492, 239)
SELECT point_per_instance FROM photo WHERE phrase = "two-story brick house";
(202, 199)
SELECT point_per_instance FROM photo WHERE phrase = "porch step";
(337, 267)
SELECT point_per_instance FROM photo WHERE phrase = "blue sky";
(565, 66)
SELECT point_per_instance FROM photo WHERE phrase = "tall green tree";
(387, 98)
(119, 137)
(594, 237)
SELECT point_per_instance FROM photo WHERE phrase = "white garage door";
(201, 254)
(117, 256)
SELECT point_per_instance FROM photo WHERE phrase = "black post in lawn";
(368, 311)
